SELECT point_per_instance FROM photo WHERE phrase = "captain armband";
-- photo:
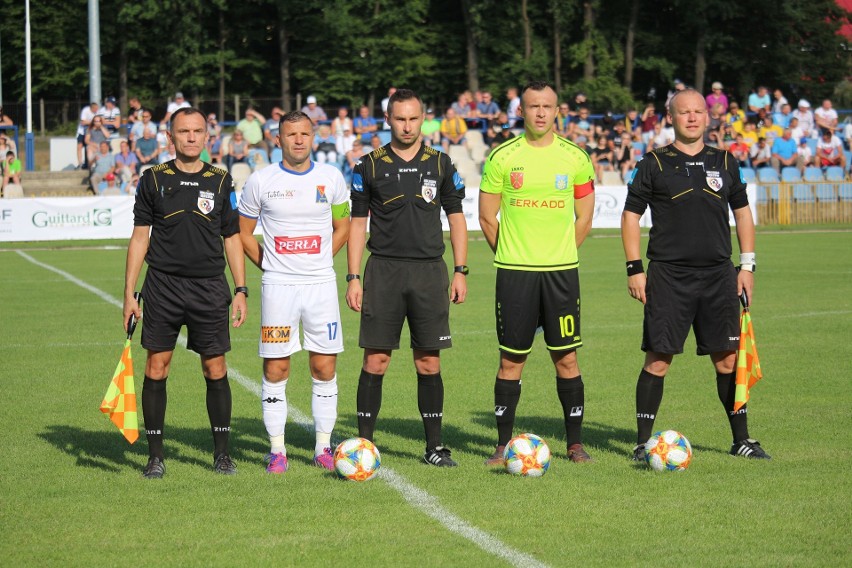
(340, 211)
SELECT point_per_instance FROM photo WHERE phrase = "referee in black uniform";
(402, 187)
(691, 281)
(185, 211)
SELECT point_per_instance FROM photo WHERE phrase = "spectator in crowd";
(649, 118)
(324, 146)
(270, 129)
(343, 144)
(770, 131)
(168, 153)
(96, 134)
(659, 137)
(623, 157)
(162, 137)
(727, 135)
(750, 134)
(487, 109)
(713, 134)
(238, 149)
(603, 157)
(739, 150)
(717, 96)
(375, 143)
(499, 132)
(678, 86)
(112, 185)
(453, 130)
(126, 162)
(583, 126)
(778, 102)
(847, 134)
(633, 123)
(214, 139)
(251, 126)
(563, 120)
(825, 117)
(6, 146)
(313, 110)
(797, 131)
(806, 155)
(86, 116)
(580, 101)
(365, 125)
(806, 118)
(431, 129)
(141, 126)
(606, 124)
(462, 106)
(513, 105)
(178, 103)
(104, 163)
(384, 105)
(735, 116)
(134, 112)
(784, 152)
(11, 169)
(783, 117)
(829, 150)
(146, 149)
(341, 122)
(4, 118)
(582, 143)
(353, 156)
(111, 115)
(759, 100)
(760, 154)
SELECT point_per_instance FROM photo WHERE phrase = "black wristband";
(635, 267)
(242, 289)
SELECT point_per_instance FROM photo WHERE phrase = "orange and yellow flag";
(120, 399)
(748, 364)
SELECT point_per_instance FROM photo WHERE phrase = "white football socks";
(273, 401)
(324, 409)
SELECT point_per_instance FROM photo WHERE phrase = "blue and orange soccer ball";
(527, 455)
(668, 451)
(357, 459)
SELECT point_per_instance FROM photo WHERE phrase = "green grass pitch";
(71, 493)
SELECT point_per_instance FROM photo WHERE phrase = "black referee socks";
(572, 396)
(219, 412)
(430, 402)
(154, 413)
(649, 395)
(726, 384)
(368, 403)
(506, 397)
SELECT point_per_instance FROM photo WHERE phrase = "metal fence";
(804, 203)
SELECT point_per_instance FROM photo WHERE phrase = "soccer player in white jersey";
(303, 208)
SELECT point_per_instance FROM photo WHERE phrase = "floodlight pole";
(30, 141)
(94, 52)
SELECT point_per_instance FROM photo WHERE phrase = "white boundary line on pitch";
(416, 497)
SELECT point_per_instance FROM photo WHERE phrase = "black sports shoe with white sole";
(749, 448)
(155, 469)
(223, 464)
(639, 453)
(440, 456)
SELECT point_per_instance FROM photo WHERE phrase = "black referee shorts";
(702, 298)
(525, 300)
(201, 304)
(398, 289)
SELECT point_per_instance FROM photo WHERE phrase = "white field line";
(416, 497)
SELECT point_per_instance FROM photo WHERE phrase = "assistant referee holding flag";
(691, 281)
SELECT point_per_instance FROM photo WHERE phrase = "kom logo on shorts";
(309, 244)
(275, 334)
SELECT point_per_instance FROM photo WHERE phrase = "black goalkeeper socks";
(506, 397)
(571, 393)
(649, 395)
(369, 401)
(154, 413)
(219, 412)
(430, 402)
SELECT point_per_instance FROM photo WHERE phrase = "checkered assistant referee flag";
(748, 364)
(120, 399)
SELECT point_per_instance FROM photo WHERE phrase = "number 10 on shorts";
(566, 325)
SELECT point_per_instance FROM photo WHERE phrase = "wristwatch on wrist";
(242, 289)
(463, 269)
(351, 277)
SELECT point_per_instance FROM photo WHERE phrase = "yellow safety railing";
(793, 203)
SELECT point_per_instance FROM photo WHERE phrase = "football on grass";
(356, 459)
(668, 451)
(527, 455)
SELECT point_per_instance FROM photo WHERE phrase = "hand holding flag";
(748, 364)
(120, 399)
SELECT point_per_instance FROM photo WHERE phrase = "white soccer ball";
(356, 459)
(668, 451)
(527, 455)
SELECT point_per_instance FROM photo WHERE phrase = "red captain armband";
(581, 191)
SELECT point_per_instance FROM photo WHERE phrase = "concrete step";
(55, 184)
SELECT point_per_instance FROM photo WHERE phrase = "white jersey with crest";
(294, 211)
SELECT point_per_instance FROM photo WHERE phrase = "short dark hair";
(402, 95)
(293, 116)
(537, 86)
(185, 111)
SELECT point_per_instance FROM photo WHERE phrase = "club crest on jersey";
(714, 180)
(561, 182)
(429, 190)
(205, 202)
(517, 179)
(321, 198)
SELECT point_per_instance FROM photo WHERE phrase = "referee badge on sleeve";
(714, 180)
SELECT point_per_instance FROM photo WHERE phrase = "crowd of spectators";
(768, 132)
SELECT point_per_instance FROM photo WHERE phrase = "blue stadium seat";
(844, 190)
(825, 192)
(639, 148)
(813, 173)
(812, 144)
(848, 154)
(276, 156)
(749, 175)
(767, 175)
(834, 173)
(791, 174)
(803, 193)
(384, 136)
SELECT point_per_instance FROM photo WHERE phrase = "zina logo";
(192, 183)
